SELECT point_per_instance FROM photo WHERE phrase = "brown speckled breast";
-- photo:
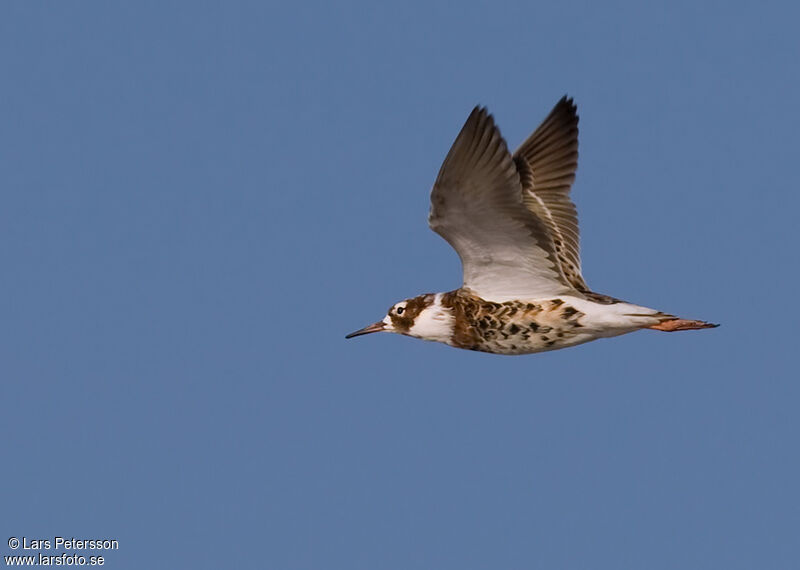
(513, 327)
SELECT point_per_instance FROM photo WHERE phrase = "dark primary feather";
(547, 161)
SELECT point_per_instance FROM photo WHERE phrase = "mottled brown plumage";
(511, 327)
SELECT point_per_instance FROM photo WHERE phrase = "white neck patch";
(434, 322)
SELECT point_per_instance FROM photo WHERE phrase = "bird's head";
(421, 317)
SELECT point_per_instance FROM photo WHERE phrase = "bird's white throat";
(434, 322)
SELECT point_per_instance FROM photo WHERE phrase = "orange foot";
(673, 325)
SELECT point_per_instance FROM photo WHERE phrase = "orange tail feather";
(672, 325)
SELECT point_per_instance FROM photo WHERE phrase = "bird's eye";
(400, 310)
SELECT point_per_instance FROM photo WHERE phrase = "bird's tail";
(671, 323)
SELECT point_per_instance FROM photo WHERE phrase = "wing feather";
(549, 157)
(477, 205)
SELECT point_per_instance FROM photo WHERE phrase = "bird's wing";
(547, 162)
(477, 206)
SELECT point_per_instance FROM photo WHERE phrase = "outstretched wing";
(506, 250)
(547, 162)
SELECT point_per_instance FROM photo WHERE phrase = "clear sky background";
(199, 200)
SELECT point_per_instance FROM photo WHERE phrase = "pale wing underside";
(547, 162)
(506, 250)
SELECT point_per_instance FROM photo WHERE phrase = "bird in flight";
(512, 223)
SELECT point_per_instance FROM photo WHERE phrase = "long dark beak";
(375, 327)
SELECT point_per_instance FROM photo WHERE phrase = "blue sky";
(200, 200)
